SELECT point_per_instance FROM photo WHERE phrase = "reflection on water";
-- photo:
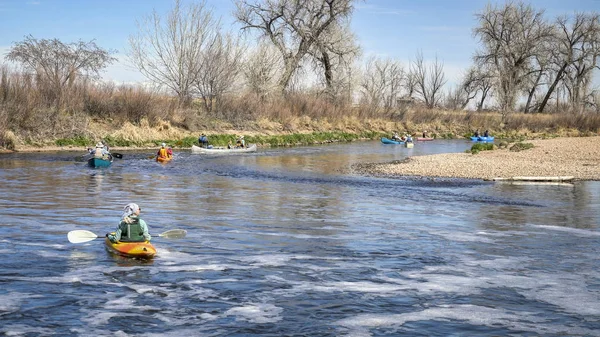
(282, 242)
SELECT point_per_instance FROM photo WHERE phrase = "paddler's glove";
(111, 238)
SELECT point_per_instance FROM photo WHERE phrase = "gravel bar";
(577, 157)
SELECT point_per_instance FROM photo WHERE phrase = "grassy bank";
(273, 134)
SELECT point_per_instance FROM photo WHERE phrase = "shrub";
(520, 147)
(476, 148)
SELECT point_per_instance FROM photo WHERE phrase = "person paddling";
(163, 152)
(131, 227)
(203, 141)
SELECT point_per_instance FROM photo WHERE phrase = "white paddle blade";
(79, 236)
(174, 234)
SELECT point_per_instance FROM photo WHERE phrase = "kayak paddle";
(80, 235)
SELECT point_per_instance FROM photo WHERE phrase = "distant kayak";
(142, 250)
(390, 141)
(482, 139)
(424, 139)
(223, 150)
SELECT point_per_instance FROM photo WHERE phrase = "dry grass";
(30, 112)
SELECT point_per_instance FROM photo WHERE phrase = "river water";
(286, 242)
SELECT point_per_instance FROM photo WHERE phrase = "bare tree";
(381, 83)
(334, 54)
(428, 80)
(168, 51)
(292, 26)
(575, 49)
(539, 69)
(59, 64)
(261, 70)
(219, 69)
(459, 97)
(511, 36)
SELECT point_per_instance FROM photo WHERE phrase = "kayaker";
(241, 142)
(131, 228)
(100, 151)
(170, 152)
(485, 133)
(395, 136)
(203, 141)
(476, 133)
(162, 152)
(424, 134)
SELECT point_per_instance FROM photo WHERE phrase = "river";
(287, 242)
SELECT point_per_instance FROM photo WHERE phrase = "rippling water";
(284, 242)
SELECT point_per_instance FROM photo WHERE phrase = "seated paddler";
(131, 228)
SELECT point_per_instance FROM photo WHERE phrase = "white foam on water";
(284, 234)
(494, 267)
(256, 313)
(198, 268)
(22, 330)
(333, 287)
(577, 231)
(222, 280)
(471, 314)
(11, 302)
(462, 236)
(566, 291)
(101, 318)
(124, 303)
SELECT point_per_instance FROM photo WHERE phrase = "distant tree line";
(526, 62)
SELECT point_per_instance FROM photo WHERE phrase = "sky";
(398, 29)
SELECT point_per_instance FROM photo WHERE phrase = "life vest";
(98, 152)
(162, 152)
(132, 232)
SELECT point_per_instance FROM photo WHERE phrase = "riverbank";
(578, 157)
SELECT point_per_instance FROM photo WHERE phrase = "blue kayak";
(482, 139)
(99, 162)
(389, 141)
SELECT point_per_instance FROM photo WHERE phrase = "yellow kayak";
(163, 159)
(143, 250)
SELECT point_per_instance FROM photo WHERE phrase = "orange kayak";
(143, 250)
(163, 159)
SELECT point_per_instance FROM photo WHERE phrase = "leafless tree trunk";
(575, 49)
(292, 26)
(539, 70)
(429, 80)
(219, 69)
(168, 51)
(334, 54)
(511, 36)
(261, 70)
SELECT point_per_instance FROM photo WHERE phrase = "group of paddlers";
(239, 143)
(404, 138)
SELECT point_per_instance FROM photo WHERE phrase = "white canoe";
(223, 150)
